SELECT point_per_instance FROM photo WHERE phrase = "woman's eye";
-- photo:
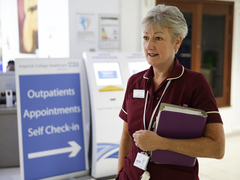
(145, 37)
(158, 38)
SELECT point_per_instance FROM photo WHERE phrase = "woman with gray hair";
(166, 81)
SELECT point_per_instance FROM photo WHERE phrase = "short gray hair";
(162, 16)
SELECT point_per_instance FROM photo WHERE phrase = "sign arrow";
(74, 149)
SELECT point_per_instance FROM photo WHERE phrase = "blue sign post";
(52, 125)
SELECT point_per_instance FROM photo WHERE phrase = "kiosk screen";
(107, 73)
(135, 67)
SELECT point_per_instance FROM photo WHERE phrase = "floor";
(210, 169)
(226, 169)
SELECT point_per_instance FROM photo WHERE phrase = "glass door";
(213, 51)
(208, 45)
(184, 52)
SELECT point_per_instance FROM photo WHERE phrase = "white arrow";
(74, 149)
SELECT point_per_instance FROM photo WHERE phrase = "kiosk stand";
(107, 75)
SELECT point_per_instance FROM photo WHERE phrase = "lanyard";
(145, 106)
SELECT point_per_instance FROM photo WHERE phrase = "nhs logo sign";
(73, 64)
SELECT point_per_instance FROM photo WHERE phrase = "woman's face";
(159, 48)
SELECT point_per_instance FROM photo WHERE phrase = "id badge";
(138, 93)
(141, 161)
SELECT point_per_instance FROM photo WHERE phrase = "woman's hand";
(147, 140)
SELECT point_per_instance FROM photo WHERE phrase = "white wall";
(235, 96)
(57, 35)
(130, 27)
(52, 19)
(230, 115)
(236, 70)
(132, 13)
(95, 8)
(53, 29)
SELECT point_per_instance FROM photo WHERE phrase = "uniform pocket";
(122, 175)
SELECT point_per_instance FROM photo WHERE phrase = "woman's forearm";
(201, 147)
(211, 145)
(124, 149)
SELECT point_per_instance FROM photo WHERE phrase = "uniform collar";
(176, 72)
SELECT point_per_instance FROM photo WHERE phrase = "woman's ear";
(178, 43)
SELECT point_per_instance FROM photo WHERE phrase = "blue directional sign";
(52, 125)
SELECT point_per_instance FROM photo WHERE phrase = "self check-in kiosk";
(53, 118)
(107, 75)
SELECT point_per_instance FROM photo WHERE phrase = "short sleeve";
(123, 111)
(203, 98)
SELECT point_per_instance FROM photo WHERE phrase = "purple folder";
(178, 125)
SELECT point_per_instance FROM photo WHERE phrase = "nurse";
(164, 29)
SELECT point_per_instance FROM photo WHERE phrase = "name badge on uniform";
(141, 161)
(139, 93)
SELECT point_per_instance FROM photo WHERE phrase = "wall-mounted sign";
(109, 32)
